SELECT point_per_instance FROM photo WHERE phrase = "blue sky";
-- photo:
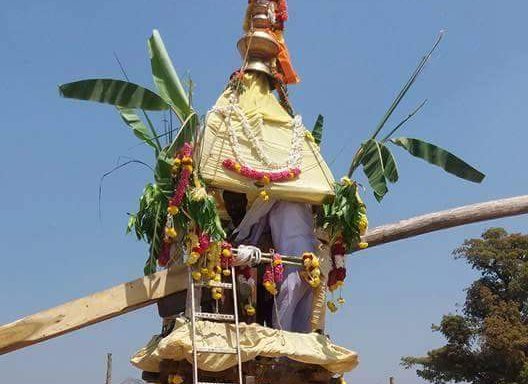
(352, 56)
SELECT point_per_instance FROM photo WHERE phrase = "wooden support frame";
(91, 309)
(139, 293)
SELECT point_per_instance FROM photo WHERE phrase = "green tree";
(488, 342)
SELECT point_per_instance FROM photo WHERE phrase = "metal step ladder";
(197, 315)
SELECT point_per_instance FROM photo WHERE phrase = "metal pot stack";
(258, 47)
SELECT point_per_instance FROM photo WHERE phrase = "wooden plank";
(139, 293)
(91, 309)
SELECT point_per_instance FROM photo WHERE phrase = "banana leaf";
(115, 92)
(373, 167)
(317, 131)
(166, 78)
(163, 174)
(390, 170)
(139, 129)
(440, 157)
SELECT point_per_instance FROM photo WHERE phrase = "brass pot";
(261, 21)
(260, 7)
(259, 66)
(261, 44)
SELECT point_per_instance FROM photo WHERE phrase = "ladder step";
(214, 284)
(215, 316)
(227, 351)
(205, 382)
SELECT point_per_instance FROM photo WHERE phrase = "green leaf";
(372, 161)
(131, 119)
(440, 157)
(115, 92)
(389, 164)
(163, 174)
(317, 131)
(166, 78)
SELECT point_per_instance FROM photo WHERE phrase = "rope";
(247, 255)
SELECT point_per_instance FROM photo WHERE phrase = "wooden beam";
(91, 309)
(447, 219)
(139, 293)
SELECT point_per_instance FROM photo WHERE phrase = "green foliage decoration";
(377, 160)
(345, 217)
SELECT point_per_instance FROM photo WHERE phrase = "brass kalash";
(258, 47)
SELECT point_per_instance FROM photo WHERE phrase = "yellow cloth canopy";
(255, 340)
(315, 182)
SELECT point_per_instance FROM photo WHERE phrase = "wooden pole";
(108, 368)
(447, 219)
(139, 293)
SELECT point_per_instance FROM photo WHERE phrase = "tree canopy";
(487, 343)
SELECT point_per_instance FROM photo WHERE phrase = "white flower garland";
(295, 155)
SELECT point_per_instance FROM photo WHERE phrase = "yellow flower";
(198, 194)
(189, 168)
(226, 272)
(314, 283)
(176, 161)
(363, 225)
(237, 167)
(265, 180)
(227, 253)
(264, 195)
(341, 301)
(331, 306)
(217, 296)
(173, 210)
(196, 275)
(363, 245)
(186, 160)
(171, 232)
(175, 379)
(315, 263)
(217, 278)
(250, 310)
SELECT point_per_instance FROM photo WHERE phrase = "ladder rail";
(199, 314)
(193, 326)
(237, 327)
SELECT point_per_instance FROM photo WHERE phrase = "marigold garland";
(312, 272)
(273, 274)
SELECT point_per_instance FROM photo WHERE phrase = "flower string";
(294, 159)
(312, 272)
(273, 274)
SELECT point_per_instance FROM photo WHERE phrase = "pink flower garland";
(265, 177)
